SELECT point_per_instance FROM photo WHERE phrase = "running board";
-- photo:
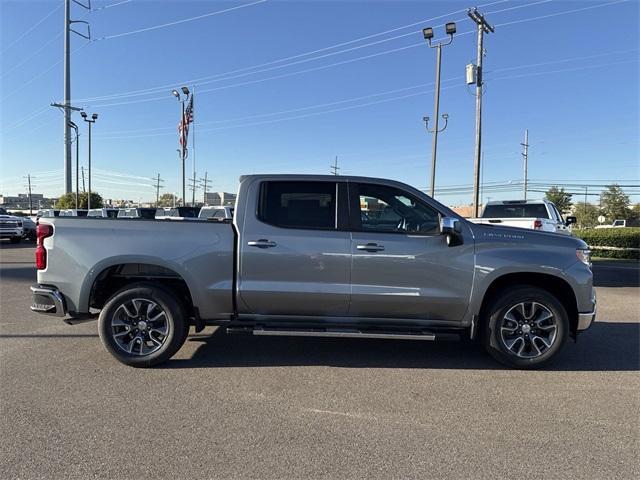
(339, 333)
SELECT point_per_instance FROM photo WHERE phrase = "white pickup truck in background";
(532, 214)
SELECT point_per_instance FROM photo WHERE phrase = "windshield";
(518, 210)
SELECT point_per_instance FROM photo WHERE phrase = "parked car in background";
(216, 212)
(177, 213)
(73, 212)
(149, 213)
(621, 224)
(29, 227)
(12, 228)
(324, 256)
(532, 214)
(103, 212)
(48, 213)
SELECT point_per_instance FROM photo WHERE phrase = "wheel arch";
(110, 276)
(556, 286)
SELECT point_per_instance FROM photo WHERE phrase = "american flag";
(183, 126)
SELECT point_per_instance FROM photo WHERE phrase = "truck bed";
(200, 252)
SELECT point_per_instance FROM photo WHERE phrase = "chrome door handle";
(370, 247)
(262, 243)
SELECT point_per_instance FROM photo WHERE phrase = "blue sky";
(570, 78)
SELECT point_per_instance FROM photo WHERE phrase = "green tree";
(586, 215)
(167, 200)
(68, 200)
(615, 203)
(561, 199)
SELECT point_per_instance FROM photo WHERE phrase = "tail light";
(42, 231)
(537, 224)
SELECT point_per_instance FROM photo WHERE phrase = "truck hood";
(500, 233)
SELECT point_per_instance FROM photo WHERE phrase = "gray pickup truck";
(323, 256)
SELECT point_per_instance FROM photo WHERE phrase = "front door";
(402, 266)
(295, 253)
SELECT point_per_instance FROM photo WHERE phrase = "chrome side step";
(333, 333)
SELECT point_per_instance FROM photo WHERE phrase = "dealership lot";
(235, 406)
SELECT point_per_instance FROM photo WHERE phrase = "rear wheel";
(143, 325)
(526, 328)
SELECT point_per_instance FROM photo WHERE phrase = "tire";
(15, 239)
(143, 325)
(526, 327)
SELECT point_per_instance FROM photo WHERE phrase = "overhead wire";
(177, 22)
(31, 29)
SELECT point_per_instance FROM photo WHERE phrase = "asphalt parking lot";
(246, 407)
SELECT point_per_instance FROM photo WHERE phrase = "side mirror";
(452, 228)
(570, 221)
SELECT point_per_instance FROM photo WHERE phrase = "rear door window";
(302, 205)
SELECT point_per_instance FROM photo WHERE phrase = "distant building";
(21, 202)
(220, 198)
(465, 211)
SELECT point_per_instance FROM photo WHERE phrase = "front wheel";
(526, 327)
(143, 325)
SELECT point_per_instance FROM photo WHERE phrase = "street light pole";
(75, 128)
(450, 28)
(91, 121)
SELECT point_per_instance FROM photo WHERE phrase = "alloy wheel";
(140, 327)
(528, 329)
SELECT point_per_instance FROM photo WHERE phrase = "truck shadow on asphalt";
(605, 347)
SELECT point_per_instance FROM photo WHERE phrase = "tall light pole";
(75, 127)
(183, 139)
(90, 121)
(483, 27)
(450, 29)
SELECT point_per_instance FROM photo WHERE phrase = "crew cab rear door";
(295, 249)
(402, 266)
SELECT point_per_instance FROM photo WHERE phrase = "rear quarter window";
(303, 205)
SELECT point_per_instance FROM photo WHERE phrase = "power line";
(160, 88)
(350, 107)
(32, 28)
(564, 12)
(171, 130)
(155, 27)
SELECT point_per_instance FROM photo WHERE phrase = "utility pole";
(83, 189)
(205, 184)
(483, 27)
(334, 167)
(66, 106)
(525, 156)
(158, 187)
(193, 186)
(67, 96)
(29, 189)
(450, 28)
